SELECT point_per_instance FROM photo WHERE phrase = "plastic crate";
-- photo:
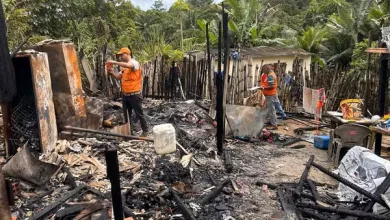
(321, 142)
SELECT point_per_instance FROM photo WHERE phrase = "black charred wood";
(304, 175)
(49, 209)
(355, 213)
(213, 194)
(310, 213)
(113, 173)
(183, 207)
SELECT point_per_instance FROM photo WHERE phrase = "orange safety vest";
(131, 80)
(269, 80)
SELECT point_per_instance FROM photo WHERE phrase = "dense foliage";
(333, 30)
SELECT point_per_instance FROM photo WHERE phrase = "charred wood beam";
(287, 201)
(304, 175)
(312, 214)
(46, 211)
(316, 195)
(212, 195)
(349, 184)
(211, 178)
(379, 191)
(355, 213)
(114, 176)
(183, 207)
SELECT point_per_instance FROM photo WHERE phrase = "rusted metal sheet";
(66, 79)
(44, 100)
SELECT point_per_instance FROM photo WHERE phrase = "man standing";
(269, 84)
(131, 87)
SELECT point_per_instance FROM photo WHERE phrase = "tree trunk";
(181, 31)
(7, 76)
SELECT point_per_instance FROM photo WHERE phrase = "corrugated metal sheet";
(259, 52)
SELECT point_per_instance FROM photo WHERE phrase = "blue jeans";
(279, 108)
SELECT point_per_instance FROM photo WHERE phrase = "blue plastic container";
(321, 142)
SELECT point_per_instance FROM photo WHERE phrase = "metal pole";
(219, 107)
(383, 84)
(226, 61)
(113, 175)
(129, 137)
(210, 72)
(5, 212)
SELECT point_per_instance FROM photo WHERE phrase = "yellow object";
(386, 117)
(351, 109)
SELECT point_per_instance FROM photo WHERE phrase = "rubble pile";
(148, 180)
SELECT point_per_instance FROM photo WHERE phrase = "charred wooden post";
(219, 99)
(113, 173)
(304, 175)
(349, 184)
(5, 212)
(183, 207)
(226, 61)
(211, 196)
(154, 76)
(383, 86)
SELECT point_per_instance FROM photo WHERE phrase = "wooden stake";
(5, 212)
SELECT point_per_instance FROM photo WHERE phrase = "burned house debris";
(67, 153)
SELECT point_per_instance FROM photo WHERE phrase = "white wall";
(271, 60)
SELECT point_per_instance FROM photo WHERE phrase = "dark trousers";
(134, 102)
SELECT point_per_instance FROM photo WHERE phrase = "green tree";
(158, 5)
(180, 6)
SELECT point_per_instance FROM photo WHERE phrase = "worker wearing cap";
(131, 87)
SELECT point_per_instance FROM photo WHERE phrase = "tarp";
(244, 120)
(366, 170)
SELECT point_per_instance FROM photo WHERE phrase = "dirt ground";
(272, 164)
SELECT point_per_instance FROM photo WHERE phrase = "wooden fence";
(198, 83)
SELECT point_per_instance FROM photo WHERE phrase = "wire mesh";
(24, 122)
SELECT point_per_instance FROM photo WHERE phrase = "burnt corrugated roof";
(275, 51)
